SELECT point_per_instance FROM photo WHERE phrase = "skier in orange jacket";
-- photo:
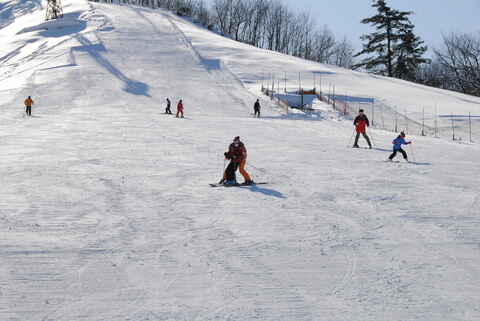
(237, 154)
(28, 105)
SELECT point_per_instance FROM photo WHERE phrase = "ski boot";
(230, 182)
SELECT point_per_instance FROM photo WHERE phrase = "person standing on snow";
(28, 106)
(256, 108)
(237, 154)
(229, 176)
(397, 147)
(180, 108)
(361, 122)
(168, 110)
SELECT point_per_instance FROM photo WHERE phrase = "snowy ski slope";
(106, 213)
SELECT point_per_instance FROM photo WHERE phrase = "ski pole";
(411, 151)
(351, 137)
(223, 169)
(373, 140)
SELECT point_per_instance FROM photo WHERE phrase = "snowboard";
(237, 185)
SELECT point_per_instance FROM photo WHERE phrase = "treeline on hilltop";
(392, 49)
(267, 24)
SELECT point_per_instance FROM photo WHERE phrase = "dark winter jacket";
(360, 122)
(236, 153)
(256, 106)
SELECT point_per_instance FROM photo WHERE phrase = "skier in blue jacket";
(397, 146)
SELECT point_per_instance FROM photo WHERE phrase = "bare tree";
(324, 45)
(460, 57)
(343, 53)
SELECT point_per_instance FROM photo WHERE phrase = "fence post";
(423, 121)
(382, 115)
(470, 125)
(320, 84)
(334, 98)
(406, 121)
(329, 95)
(396, 120)
(453, 127)
(373, 114)
(299, 82)
(285, 90)
(273, 83)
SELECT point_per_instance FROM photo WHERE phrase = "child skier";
(180, 108)
(237, 154)
(229, 176)
(397, 146)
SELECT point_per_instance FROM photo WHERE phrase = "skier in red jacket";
(361, 123)
(180, 108)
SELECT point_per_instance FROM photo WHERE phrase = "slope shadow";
(10, 9)
(130, 86)
(420, 163)
(321, 72)
(211, 64)
(300, 114)
(69, 24)
(382, 149)
(265, 191)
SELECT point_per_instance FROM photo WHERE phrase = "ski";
(236, 185)
(408, 162)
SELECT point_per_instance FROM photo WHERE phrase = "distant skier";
(397, 147)
(180, 108)
(361, 122)
(168, 110)
(256, 108)
(28, 106)
(237, 154)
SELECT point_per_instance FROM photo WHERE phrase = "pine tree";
(409, 55)
(393, 48)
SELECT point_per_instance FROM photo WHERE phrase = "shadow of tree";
(9, 9)
(94, 50)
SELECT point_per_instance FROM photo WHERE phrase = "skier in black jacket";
(256, 108)
(169, 104)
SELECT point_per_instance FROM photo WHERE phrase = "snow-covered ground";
(420, 103)
(106, 213)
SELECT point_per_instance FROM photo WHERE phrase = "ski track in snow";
(106, 212)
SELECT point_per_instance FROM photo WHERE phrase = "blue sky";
(431, 18)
